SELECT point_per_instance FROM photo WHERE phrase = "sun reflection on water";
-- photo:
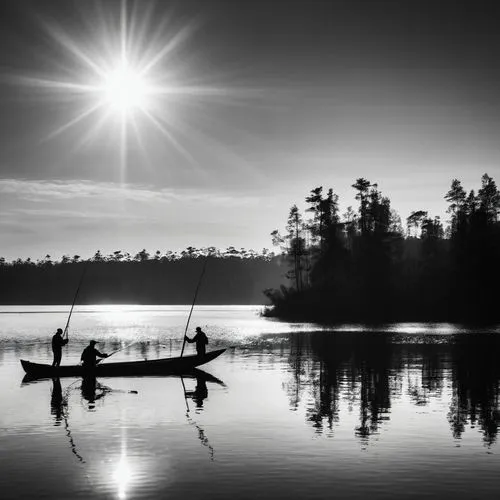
(122, 473)
(122, 476)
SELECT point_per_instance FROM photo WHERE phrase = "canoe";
(147, 367)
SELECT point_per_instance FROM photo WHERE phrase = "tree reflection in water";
(372, 370)
(475, 379)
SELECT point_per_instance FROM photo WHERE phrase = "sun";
(123, 72)
(126, 78)
(124, 89)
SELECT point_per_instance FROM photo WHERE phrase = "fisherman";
(57, 343)
(89, 355)
(201, 341)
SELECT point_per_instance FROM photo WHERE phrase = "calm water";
(289, 411)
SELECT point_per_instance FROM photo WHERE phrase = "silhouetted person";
(57, 345)
(201, 341)
(90, 354)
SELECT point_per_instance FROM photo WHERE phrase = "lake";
(288, 411)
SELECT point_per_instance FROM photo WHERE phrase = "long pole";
(74, 300)
(185, 396)
(118, 350)
(192, 306)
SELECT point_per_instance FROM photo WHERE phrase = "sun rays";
(124, 76)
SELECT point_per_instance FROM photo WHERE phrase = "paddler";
(89, 355)
(57, 344)
(201, 341)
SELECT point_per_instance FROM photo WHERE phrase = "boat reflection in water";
(125, 469)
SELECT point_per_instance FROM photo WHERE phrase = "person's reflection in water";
(200, 392)
(57, 401)
(198, 396)
(59, 408)
(89, 388)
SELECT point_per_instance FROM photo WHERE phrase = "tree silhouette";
(362, 268)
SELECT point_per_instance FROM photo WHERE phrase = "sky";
(232, 111)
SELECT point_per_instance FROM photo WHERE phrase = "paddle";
(192, 306)
(66, 331)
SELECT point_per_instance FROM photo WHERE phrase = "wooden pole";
(192, 306)
(74, 300)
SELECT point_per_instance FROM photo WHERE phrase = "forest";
(231, 277)
(365, 265)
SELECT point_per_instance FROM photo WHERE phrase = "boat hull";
(125, 368)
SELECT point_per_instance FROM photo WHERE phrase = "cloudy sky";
(126, 125)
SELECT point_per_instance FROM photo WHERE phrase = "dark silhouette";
(162, 366)
(370, 370)
(200, 392)
(60, 410)
(202, 377)
(198, 396)
(89, 390)
(363, 267)
(201, 341)
(89, 356)
(57, 344)
(89, 385)
(476, 386)
(119, 278)
(57, 401)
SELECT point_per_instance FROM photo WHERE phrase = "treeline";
(364, 265)
(231, 277)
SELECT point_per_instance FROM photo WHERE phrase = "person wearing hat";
(57, 345)
(201, 341)
(89, 355)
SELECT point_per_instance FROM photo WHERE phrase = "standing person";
(201, 341)
(89, 355)
(57, 345)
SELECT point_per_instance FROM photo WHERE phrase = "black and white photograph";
(249, 249)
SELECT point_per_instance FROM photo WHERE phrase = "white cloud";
(67, 217)
(70, 214)
(40, 191)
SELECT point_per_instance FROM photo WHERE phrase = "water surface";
(289, 411)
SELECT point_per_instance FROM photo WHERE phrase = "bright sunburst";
(124, 89)
(121, 75)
